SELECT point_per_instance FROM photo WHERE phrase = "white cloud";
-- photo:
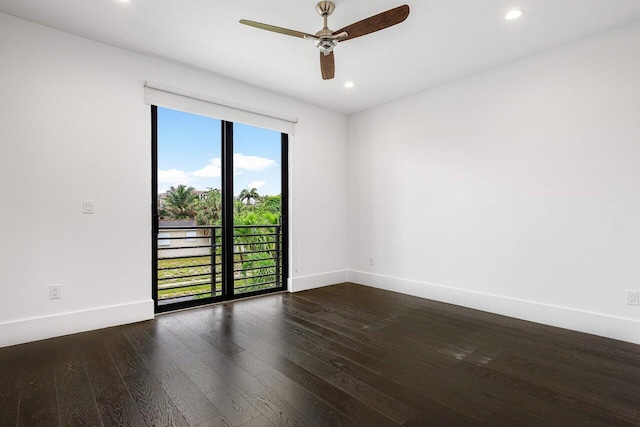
(241, 163)
(209, 171)
(256, 185)
(174, 176)
(252, 163)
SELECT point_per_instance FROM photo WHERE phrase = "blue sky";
(189, 153)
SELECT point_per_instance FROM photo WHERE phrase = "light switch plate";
(87, 206)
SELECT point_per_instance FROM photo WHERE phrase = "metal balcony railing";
(190, 261)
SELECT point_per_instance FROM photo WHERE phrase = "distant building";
(175, 239)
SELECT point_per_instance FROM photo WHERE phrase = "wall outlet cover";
(55, 291)
(632, 298)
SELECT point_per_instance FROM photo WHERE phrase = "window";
(230, 181)
(164, 239)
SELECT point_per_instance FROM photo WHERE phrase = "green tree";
(209, 208)
(255, 248)
(238, 208)
(180, 202)
(269, 204)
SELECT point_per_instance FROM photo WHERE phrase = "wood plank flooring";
(344, 355)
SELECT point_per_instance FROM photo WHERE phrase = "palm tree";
(180, 202)
(249, 195)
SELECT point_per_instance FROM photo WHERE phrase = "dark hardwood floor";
(340, 355)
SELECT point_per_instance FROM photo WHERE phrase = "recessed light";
(348, 84)
(514, 14)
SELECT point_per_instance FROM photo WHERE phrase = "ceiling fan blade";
(376, 23)
(275, 29)
(327, 66)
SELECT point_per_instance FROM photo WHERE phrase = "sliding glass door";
(257, 213)
(219, 211)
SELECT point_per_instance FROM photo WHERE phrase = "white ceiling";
(441, 40)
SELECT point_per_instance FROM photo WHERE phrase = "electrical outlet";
(632, 298)
(370, 260)
(55, 291)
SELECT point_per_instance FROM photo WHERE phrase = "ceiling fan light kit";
(326, 40)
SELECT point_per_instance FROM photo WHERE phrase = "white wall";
(515, 191)
(74, 126)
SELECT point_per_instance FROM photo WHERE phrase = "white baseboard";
(582, 321)
(304, 283)
(22, 331)
(39, 328)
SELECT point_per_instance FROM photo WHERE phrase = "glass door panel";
(189, 201)
(257, 231)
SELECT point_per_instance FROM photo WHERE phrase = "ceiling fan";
(326, 39)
